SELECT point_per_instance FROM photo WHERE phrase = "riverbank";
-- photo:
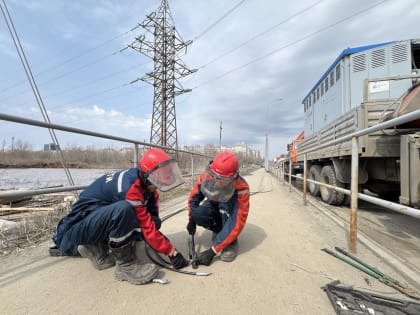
(74, 158)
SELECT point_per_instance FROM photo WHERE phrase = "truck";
(297, 166)
(363, 87)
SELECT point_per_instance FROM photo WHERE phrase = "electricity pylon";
(168, 69)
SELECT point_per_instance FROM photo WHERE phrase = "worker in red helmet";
(219, 201)
(116, 210)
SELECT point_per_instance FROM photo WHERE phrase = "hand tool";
(374, 272)
(192, 252)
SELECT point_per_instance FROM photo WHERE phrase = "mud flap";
(347, 301)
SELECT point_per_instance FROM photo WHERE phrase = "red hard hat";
(225, 164)
(152, 158)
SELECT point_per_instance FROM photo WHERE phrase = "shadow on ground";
(251, 237)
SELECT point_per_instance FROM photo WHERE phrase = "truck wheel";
(330, 196)
(314, 174)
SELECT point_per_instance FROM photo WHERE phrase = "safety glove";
(206, 257)
(191, 227)
(178, 261)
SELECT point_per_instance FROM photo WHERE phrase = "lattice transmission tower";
(163, 48)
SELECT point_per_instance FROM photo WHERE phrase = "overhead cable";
(290, 44)
(218, 20)
(70, 59)
(262, 33)
(34, 87)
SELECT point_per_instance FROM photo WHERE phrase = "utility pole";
(220, 136)
(266, 138)
(266, 153)
(164, 49)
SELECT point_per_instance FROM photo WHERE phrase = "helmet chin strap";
(144, 182)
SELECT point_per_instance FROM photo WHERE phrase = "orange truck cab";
(297, 167)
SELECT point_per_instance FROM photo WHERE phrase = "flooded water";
(33, 178)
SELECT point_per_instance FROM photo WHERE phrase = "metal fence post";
(305, 174)
(136, 155)
(192, 170)
(290, 174)
(354, 192)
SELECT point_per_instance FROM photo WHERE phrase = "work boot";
(229, 253)
(129, 269)
(98, 255)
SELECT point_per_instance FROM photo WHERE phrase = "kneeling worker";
(219, 201)
(117, 209)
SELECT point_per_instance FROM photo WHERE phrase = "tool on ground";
(348, 301)
(374, 272)
(158, 260)
(192, 252)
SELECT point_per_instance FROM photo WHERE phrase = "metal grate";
(359, 63)
(378, 58)
(399, 53)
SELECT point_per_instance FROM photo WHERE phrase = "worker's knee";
(123, 210)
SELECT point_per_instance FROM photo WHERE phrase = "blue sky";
(255, 65)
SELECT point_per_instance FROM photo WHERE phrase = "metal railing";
(353, 192)
(136, 143)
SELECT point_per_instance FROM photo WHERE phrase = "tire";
(328, 195)
(346, 200)
(314, 174)
(286, 177)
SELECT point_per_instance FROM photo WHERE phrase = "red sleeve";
(151, 235)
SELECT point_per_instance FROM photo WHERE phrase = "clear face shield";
(166, 175)
(218, 188)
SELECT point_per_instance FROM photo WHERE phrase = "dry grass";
(33, 227)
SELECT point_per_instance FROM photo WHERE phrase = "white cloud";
(236, 87)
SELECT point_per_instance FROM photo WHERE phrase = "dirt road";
(280, 269)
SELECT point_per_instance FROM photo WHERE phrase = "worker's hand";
(178, 261)
(191, 227)
(206, 257)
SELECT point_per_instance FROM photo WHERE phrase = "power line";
(61, 75)
(69, 60)
(262, 33)
(290, 44)
(218, 20)
(93, 94)
(85, 84)
(109, 75)
(32, 82)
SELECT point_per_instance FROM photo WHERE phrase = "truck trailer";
(363, 87)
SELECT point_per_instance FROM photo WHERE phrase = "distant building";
(50, 147)
(240, 148)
